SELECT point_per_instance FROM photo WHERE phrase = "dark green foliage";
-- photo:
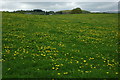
(50, 13)
(59, 12)
(76, 11)
(37, 10)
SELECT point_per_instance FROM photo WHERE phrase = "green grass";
(60, 46)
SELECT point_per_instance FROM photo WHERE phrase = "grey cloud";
(55, 6)
(100, 6)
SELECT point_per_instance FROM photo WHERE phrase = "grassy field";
(60, 46)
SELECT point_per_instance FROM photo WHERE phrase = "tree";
(59, 12)
(76, 11)
(51, 12)
(38, 10)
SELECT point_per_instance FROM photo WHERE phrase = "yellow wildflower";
(58, 73)
(65, 73)
(84, 61)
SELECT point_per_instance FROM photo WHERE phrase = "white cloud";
(64, 0)
(91, 6)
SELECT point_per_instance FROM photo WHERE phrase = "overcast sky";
(56, 6)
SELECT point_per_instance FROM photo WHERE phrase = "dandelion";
(15, 54)
(65, 73)
(91, 58)
(26, 51)
(80, 67)
(54, 54)
(53, 67)
(8, 51)
(81, 58)
(56, 68)
(116, 72)
(48, 51)
(86, 71)
(84, 61)
(72, 57)
(107, 72)
(77, 61)
(58, 73)
(94, 67)
(82, 71)
(0, 60)
(44, 55)
(70, 61)
(61, 64)
(57, 65)
(109, 64)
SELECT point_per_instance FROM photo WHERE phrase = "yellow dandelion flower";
(61, 64)
(57, 65)
(15, 54)
(77, 61)
(48, 51)
(44, 55)
(107, 72)
(81, 58)
(94, 67)
(82, 71)
(15, 51)
(55, 54)
(65, 73)
(84, 61)
(56, 68)
(70, 61)
(113, 60)
(72, 57)
(109, 64)
(58, 73)
(83, 40)
(26, 51)
(50, 56)
(116, 73)
(86, 71)
(53, 67)
(91, 58)
(80, 67)
(86, 64)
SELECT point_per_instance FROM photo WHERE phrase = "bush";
(76, 11)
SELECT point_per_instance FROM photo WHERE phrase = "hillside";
(69, 11)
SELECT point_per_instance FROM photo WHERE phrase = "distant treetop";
(76, 11)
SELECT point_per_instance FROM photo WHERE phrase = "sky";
(56, 6)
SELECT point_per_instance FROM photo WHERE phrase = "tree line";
(41, 12)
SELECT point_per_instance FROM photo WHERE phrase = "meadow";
(60, 46)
